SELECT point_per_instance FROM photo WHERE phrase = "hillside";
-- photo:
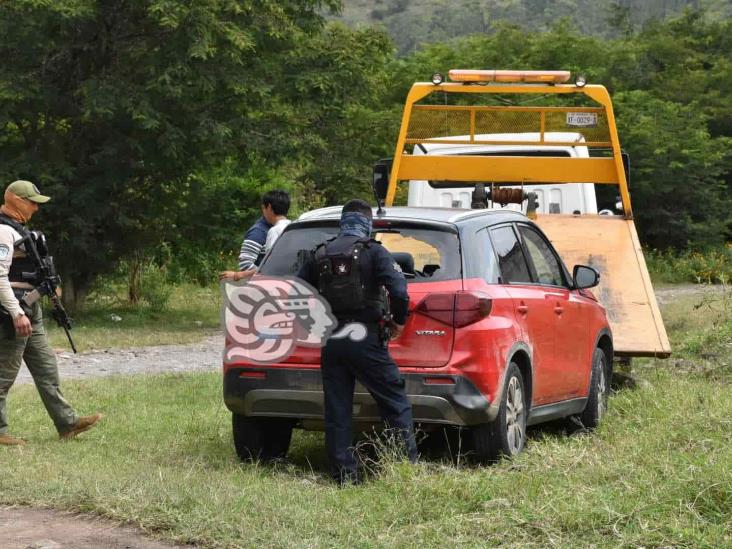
(414, 22)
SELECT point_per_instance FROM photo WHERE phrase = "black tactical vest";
(24, 267)
(340, 278)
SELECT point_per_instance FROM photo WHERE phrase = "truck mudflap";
(610, 244)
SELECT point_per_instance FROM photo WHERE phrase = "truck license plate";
(582, 119)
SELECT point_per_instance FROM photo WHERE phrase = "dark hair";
(279, 200)
(358, 205)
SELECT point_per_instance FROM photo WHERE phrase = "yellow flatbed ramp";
(610, 245)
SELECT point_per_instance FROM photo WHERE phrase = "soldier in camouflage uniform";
(23, 336)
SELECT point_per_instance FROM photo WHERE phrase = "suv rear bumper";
(298, 393)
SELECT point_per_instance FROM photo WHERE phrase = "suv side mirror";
(382, 170)
(585, 277)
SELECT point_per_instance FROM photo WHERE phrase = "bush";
(155, 289)
(713, 266)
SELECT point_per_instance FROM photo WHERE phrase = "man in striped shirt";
(275, 205)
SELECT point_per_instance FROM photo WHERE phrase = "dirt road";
(193, 357)
(24, 528)
(668, 294)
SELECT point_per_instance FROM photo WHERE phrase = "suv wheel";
(506, 435)
(263, 438)
(599, 391)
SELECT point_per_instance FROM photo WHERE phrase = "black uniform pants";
(344, 361)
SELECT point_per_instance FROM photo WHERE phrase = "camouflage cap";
(26, 189)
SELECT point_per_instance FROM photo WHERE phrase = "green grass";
(700, 330)
(108, 322)
(656, 473)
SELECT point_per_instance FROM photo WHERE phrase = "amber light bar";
(546, 77)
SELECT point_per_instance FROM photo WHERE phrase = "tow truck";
(506, 135)
(500, 335)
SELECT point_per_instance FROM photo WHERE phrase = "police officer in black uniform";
(351, 271)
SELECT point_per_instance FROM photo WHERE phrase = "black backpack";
(340, 278)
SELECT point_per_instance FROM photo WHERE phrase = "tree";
(110, 106)
(338, 123)
(415, 24)
(678, 190)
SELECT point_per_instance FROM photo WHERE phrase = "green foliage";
(155, 289)
(209, 215)
(111, 107)
(336, 125)
(677, 172)
(416, 23)
(686, 60)
(713, 266)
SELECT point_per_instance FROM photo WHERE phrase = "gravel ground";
(194, 357)
(668, 294)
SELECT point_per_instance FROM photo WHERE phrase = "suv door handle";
(523, 308)
(558, 310)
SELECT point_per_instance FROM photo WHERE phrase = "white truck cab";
(565, 198)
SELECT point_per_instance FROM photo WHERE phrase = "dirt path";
(23, 528)
(194, 357)
(668, 294)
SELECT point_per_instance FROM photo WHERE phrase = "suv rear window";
(434, 253)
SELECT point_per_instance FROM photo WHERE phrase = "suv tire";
(261, 438)
(506, 435)
(599, 391)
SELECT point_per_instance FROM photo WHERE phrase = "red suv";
(499, 335)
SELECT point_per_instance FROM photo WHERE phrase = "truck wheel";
(261, 438)
(506, 435)
(599, 391)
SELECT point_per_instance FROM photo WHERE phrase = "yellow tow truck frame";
(607, 242)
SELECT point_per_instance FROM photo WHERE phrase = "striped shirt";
(252, 248)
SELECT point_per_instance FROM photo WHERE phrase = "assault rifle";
(46, 282)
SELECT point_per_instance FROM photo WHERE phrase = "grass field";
(656, 473)
(109, 322)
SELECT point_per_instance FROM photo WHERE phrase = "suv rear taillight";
(457, 309)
